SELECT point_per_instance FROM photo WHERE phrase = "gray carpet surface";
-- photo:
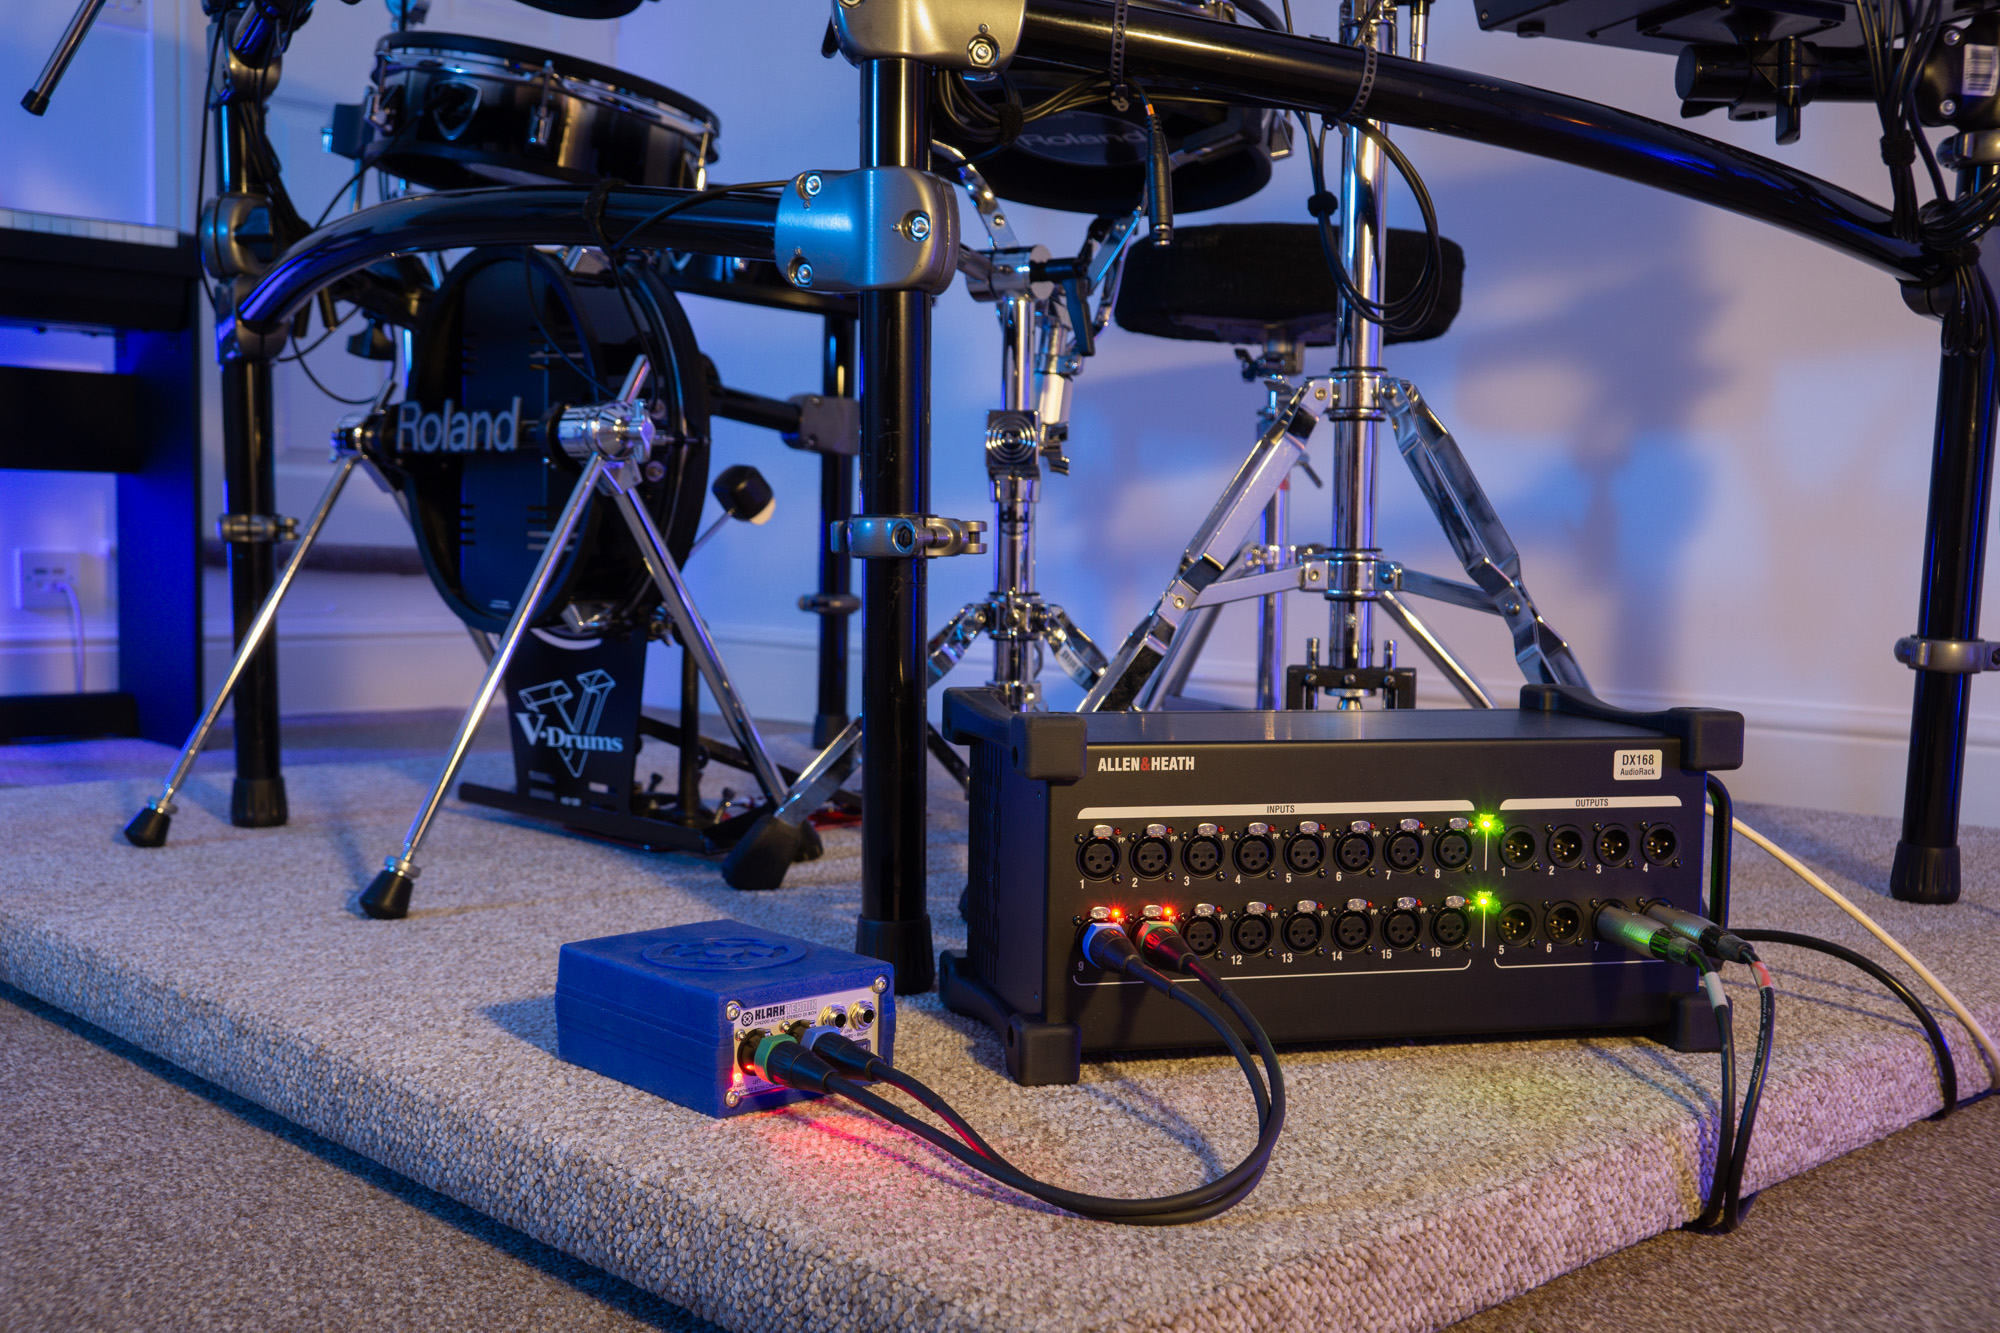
(327, 738)
(1900, 1235)
(1416, 1184)
(134, 1196)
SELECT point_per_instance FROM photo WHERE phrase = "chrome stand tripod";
(1222, 565)
(614, 442)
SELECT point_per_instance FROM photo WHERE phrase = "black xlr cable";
(830, 1063)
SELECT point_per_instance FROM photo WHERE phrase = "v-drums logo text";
(556, 716)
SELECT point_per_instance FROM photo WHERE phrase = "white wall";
(1710, 439)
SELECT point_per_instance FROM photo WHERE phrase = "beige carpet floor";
(1416, 1184)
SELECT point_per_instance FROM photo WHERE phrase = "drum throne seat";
(1251, 283)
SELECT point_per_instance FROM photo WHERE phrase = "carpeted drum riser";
(1414, 1185)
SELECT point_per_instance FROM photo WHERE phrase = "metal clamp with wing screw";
(906, 536)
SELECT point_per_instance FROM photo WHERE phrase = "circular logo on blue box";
(722, 953)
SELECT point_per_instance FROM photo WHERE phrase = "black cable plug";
(1106, 946)
(1643, 937)
(780, 1059)
(1703, 933)
(1164, 946)
(848, 1057)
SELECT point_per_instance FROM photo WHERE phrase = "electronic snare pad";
(668, 1010)
(1389, 873)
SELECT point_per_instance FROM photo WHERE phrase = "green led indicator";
(1487, 823)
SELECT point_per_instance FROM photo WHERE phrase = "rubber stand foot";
(1691, 1030)
(1924, 874)
(905, 945)
(762, 855)
(1037, 1054)
(148, 828)
(388, 898)
(258, 803)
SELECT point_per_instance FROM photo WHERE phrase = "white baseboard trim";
(1850, 758)
(1823, 755)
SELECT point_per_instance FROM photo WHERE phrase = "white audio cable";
(1805, 872)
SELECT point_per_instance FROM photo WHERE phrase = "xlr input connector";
(1201, 855)
(1452, 851)
(1252, 931)
(1304, 850)
(1354, 853)
(1098, 857)
(1254, 852)
(1404, 851)
(1150, 857)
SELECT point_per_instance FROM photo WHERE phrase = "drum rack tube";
(736, 226)
(1260, 68)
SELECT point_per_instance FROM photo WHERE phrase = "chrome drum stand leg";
(1215, 552)
(1283, 358)
(387, 897)
(149, 827)
(1047, 328)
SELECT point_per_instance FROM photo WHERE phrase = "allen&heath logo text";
(1146, 763)
(454, 432)
(556, 716)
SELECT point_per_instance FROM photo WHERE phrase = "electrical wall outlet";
(124, 14)
(39, 576)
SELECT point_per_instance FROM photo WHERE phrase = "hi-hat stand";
(1047, 328)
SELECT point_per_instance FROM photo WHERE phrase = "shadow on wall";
(1588, 333)
(1572, 380)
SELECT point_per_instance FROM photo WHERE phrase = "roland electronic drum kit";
(540, 222)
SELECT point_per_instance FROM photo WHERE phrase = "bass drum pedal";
(512, 337)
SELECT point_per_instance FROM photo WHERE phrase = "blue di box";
(665, 1010)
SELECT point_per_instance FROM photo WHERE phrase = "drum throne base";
(1268, 285)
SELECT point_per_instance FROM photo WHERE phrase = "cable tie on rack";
(1367, 86)
(1324, 204)
(1121, 92)
(1012, 122)
(593, 213)
(1899, 148)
